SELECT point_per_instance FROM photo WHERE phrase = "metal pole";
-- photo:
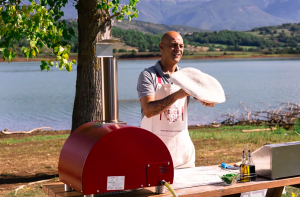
(110, 107)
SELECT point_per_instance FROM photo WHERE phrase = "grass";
(225, 144)
(213, 146)
(32, 191)
(33, 139)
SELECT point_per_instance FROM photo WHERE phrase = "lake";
(30, 98)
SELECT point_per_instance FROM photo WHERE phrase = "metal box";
(276, 161)
(104, 48)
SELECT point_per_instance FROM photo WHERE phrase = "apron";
(171, 127)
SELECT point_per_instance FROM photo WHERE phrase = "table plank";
(275, 192)
(200, 191)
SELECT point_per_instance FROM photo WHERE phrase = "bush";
(142, 50)
(254, 49)
(211, 49)
(154, 49)
(186, 52)
(234, 48)
(115, 50)
(122, 50)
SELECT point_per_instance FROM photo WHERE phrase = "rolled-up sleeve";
(145, 85)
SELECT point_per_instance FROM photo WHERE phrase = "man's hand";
(207, 104)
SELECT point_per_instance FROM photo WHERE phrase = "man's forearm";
(156, 107)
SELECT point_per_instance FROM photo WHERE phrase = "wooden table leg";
(297, 186)
(274, 192)
(233, 195)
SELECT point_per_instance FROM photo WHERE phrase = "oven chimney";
(109, 75)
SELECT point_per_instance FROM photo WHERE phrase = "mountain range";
(215, 14)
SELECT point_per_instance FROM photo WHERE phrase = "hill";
(275, 39)
(152, 28)
(214, 14)
(287, 34)
(220, 15)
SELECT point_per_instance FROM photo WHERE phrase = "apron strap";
(158, 78)
(159, 81)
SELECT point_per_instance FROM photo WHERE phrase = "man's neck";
(168, 68)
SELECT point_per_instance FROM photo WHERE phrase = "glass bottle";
(244, 169)
(251, 167)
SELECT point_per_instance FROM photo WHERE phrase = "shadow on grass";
(12, 178)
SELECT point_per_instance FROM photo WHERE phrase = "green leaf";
(50, 63)
(24, 49)
(65, 61)
(27, 54)
(71, 31)
(36, 50)
(2, 49)
(65, 56)
(19, 16)
(61, 49)
(10, 57)
(56, 49)
(43, 67)
(33, 53)
(74, 61)
(32, 43)
(69, 68)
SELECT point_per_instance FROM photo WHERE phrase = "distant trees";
(138, 39)
(274, 37)
(287, 50)
(122, 50)
(230, 38)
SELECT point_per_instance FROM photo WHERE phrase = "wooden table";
(275, 188)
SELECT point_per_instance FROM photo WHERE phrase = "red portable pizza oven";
(100, 158)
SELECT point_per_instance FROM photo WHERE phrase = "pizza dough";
(199, 85)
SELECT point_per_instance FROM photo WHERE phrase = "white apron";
(172, 128)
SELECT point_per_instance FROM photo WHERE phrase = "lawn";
(37, 154)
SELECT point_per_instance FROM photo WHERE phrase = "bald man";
(164, 105)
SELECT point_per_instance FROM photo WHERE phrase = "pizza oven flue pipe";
(109, 75)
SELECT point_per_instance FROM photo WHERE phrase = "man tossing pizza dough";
(164, 90)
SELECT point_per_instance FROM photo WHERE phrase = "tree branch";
(114, 15)
(102, 26)
(22, 2)
(46, 46)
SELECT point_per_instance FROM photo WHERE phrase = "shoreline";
(262, 56)
(64, 131)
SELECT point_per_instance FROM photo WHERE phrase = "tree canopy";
(41, 25)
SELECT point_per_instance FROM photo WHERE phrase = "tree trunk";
(87, 104)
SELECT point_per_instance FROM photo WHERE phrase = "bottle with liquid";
(244, 169)
(251, 167)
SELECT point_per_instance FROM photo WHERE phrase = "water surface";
(30, 98)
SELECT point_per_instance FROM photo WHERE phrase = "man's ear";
(160, 46)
